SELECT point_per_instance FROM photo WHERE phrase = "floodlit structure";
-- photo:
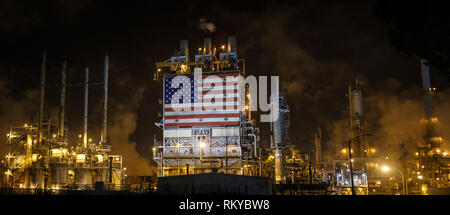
(279, 137)
(351, 171)
(205, 120)
(42, 157)
(433, 163)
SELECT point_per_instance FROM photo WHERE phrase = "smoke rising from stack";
(206, 26)
(122, 124)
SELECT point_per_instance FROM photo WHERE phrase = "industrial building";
(41, 157)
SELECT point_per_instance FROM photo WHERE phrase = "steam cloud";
(206, 26)
(123, 125)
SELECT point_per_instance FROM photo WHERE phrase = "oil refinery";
(211, 140)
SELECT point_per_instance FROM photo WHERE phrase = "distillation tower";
(433, 162)
(279, 134)
(353, 167)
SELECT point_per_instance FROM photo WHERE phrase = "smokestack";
(231, 44)
(184, 49)
(41, 107)
(214, 43)
(426, 86)
(207, 46)
(356, 119)
(62, 100)
(318, 146)
(105, 101)
(85, 117)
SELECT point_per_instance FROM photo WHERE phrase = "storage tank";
(59, 175)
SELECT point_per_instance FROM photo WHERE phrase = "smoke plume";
(123, 124)
(206, 26)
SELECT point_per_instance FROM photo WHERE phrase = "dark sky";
(317, 48)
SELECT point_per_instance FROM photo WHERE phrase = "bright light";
(417, 153)
(419, 177)
(438, 150)
(344, 151)
(202, 144)
(223, 47)
(246, 107)
(183, 66)
(54, 135)
(373, 150)
(154, 148)
(79, 135)
(385, 169)
(445, 153)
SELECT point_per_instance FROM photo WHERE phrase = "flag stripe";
(203, 116)
(200, 124)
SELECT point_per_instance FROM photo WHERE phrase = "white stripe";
(218, 79)
(177, 113)
(230, 119)
(206, 104)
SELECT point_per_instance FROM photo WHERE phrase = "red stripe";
(218, 99)
(235, 107)
(202, 116)
(218, 84)
(219, 91)
(189, 124)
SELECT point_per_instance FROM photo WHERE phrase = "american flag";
(201, 100)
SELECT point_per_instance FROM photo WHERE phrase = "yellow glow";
(54, 135)
(246, 107)
(154, 148)
(344, 150)
(34, 157)
(183, 66)
(223, 47)
(202, 144)
(199, 49)
(385, 168)
(159, 70)
(81, 158)
(417, 153)
(373, 150)
(445, 153)
(80, 135)
(419, 177)
(100, 158)
(438, 150)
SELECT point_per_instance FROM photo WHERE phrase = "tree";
(419, 28)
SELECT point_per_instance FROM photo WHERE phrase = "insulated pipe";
(105, 101)
(86, 86)
(62, 99)
(41, 107)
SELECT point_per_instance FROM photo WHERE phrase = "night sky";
(316, 47)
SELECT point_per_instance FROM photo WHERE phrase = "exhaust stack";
(85, 117)
(105, 101)
(41, 107)
(62, 100)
